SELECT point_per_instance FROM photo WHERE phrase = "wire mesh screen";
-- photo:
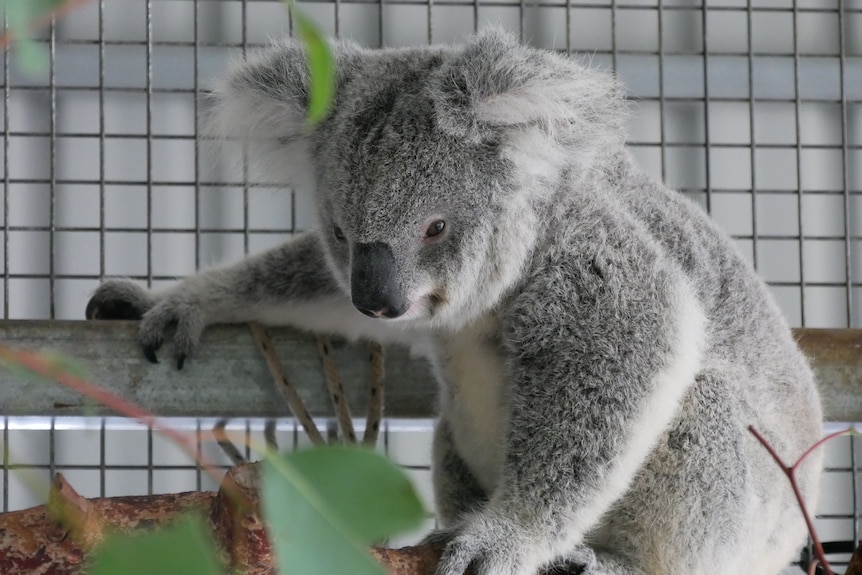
(754, 109)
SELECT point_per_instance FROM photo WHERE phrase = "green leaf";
(325, 506)
(64, 364)
(21, 15)
(321, 65)
(59, 364)
(33, 56)
(24, 11)
(19, 371)
(184, 548)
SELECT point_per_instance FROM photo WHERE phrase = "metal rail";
(228, 376)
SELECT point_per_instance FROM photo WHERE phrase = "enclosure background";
(752, 109)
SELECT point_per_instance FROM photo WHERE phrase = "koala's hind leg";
(455, 488)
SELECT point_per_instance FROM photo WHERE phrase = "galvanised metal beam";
(228, 377)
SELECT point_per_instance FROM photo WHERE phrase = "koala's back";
(752, 374)
(746, 330)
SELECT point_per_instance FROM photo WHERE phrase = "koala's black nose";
(373, 286)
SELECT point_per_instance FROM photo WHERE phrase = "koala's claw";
(188, 319)
(150, 353)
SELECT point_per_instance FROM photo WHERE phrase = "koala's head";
(434, 170)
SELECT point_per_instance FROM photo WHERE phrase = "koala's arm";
(289, 284)
(601, 350)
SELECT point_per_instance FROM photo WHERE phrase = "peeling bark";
(55, 539)
(855, 565)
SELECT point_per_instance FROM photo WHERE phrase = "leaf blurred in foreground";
(321, 64)
(50, 365)
(184, 548)
(321, 68)
(21, 12)
(21, 15)
(326, 505)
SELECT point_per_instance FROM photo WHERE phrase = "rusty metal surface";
(228, 376)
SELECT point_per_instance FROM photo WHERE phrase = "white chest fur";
(474, 402)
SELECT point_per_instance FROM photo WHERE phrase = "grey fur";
(601, 346)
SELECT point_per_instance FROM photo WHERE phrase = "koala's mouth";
(422, 307)
(436, 300)
(384, 312)
(426, 306)
(414, 310)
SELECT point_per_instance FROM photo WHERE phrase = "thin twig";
(790, 472)
(821, 442)
(336, 390)
(375, 390)
(269, 435)
(44, 20)
(226, 444)
(283, 385)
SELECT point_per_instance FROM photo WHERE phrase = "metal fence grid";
(754, 109)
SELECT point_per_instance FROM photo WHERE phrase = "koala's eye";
(339, 235)
(435, 229)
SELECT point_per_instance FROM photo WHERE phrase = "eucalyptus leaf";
(326, 505)
(65, 364)
(321, 65)
(21, 15)
(184, 548)
(27, 10)
(32, 55)
(321, 68)
(19, 371)
(59, 364)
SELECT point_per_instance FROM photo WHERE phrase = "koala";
(601, 347)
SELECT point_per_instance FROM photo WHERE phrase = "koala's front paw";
(119, 299)
(189, 320)
(488, 546)
(124, 299)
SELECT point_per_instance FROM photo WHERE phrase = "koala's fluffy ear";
(263, 101)
(494, 84)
